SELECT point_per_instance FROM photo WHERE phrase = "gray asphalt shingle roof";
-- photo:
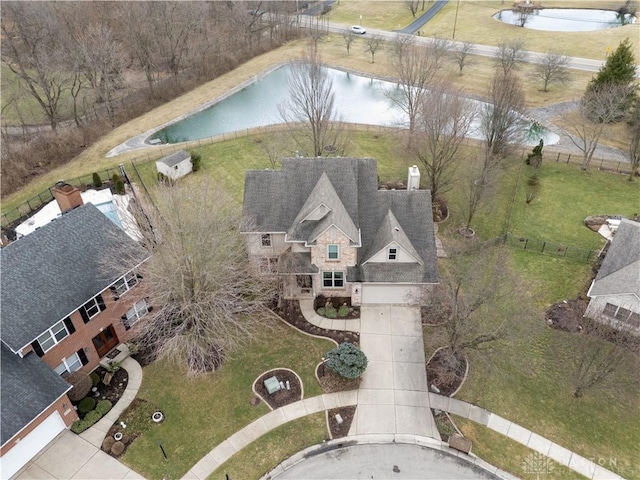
(274, 199)
(620, 269)
(175, 158)
(29, 386)
(53, 271)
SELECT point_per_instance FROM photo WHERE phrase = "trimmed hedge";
(103, 407)
(92, 416)
(86, 405)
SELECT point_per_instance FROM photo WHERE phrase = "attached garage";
(390, 293)
(29, 446)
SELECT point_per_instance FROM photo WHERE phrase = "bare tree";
(511, 55)
(32, 51)
(349, 37)
(596, 109)
(480, 297)
(501, 118)
(415, 67)
(461, 55)
(475, 191)
(634, 140)
(605, 346)
(373, 43)
(412, 6)
(309, 111)
(552, 70)
(445, 118)
(209, 300)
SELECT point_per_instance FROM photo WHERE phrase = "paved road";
(384, 461)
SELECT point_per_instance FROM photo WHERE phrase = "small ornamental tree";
(97, 181)
(347, 360)
(196, 159)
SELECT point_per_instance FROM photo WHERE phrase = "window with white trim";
(621, 313)
(333, 279)
(393, 254)
(53, 336)
(265, 240)
(91, 308)
(69, 365)
(333, 252)
(139, 310)
(125, 284)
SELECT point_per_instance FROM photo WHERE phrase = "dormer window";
(333, 252)
(393, 254)
(266, 240)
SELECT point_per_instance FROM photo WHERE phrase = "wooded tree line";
(91, 66)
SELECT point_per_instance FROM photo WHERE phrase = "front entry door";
(105, 341)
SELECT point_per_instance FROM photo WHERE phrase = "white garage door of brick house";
(29, 446)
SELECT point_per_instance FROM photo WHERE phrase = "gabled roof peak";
(322, 209)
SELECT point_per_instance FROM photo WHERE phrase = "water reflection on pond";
(357, 100)
(566, 19)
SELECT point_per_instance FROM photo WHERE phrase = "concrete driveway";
(70, 456)
(393, 395)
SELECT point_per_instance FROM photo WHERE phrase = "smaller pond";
(566, 19)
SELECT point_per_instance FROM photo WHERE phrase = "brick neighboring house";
(324, 225)
(63, 309)
(615, 292)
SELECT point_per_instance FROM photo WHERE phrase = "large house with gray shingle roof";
(63, 309)
(615, 292)
(326, 228)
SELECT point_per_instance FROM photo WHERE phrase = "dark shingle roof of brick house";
(53, 271)
(29, 386)
(620, 269)
(273, 200)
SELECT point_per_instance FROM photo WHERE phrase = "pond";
(566, 19)
(358, 99)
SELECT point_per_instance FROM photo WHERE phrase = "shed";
(176, 165)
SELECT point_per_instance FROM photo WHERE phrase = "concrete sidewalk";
(393, 396)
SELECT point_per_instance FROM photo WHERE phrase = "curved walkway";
(306, 306)
(72, 456)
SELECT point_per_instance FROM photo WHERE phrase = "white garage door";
(389, 293)
(29, 446)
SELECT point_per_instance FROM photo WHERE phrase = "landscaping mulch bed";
(441, 374)
(331, 382)
(337, 302)
(339, 430)
(567, 315)
(290, 312)
(281, 397)
(116, 387)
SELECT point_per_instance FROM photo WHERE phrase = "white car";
(358, 29)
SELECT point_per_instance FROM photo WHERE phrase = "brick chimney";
(67, 196)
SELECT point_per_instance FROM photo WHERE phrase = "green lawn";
(202, 412)
(510, 455)
(261, 456)
(567, 196)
